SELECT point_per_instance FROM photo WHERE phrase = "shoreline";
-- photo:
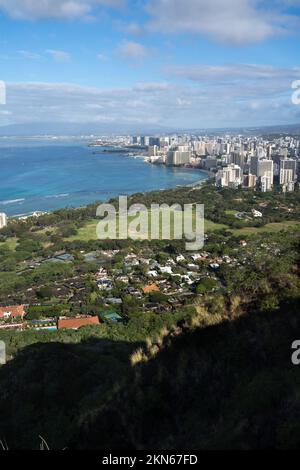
(38, 213)
(35, 206)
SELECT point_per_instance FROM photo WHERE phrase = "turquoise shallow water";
(44, 175)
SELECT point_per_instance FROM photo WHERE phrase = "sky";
(174, 64)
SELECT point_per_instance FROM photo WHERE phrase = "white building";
(288, 171)
(286, 176)
(256, 213)
(229, 176)
(266, 183)
(3, 220)
(266, 168)
(178, 158)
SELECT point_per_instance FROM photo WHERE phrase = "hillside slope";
(228, 385)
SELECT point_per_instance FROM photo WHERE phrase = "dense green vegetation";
(213, 372)
(24, 244)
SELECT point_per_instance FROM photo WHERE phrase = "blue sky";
(170, 63)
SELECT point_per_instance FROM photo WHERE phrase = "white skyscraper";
(266, 183)
(229, 176)
(265, 167)
(178, 158)
(288, 170)
(286, 176)
(3, 220)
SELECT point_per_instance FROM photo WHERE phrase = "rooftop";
(75, 323)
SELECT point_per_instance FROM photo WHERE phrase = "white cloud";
(132, 50)
(248, 72)
(102, 57)
(231, 21)
(237, 83)
(62, 9)
(152, 87)
(59, 56)
(207, 96)
(29, 55)
(131, 28)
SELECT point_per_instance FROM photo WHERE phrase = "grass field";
(231, 212)
(270, 228)
(88, 232)
(209, 226)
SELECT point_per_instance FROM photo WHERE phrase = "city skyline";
(113, 64)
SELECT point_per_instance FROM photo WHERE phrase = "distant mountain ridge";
(72, 129)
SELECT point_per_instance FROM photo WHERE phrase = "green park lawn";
(231, 212)
(88, 231)
(274, 227)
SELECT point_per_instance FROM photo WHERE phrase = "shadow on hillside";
(48, 387)
(231, 385)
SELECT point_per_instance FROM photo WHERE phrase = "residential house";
(77, 322)
(105, 284)
(150, 288)
(124, 279)
(12, 312)
(152, 273)
(109, 317)
(166, 270)
(114, 300)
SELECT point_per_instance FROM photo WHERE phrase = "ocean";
(44, 175)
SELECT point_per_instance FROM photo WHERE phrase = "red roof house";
(15, 311)
(75, 323)
(151, 288)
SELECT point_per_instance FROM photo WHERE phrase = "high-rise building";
(254, 165)
(250, 181)
(154, 141)
(153, 151)
(266, 183)
(286, 176)
(288, 169)
(229, 176)
(260, 152)
(199, 147)
(265, 169)
(239, 159)
(178, 158)
(269, 152)
(265, 166)
(3, 220)
(209, 163)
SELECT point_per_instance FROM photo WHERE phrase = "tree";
(157, 297)
(45, 293)
(206, 285)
